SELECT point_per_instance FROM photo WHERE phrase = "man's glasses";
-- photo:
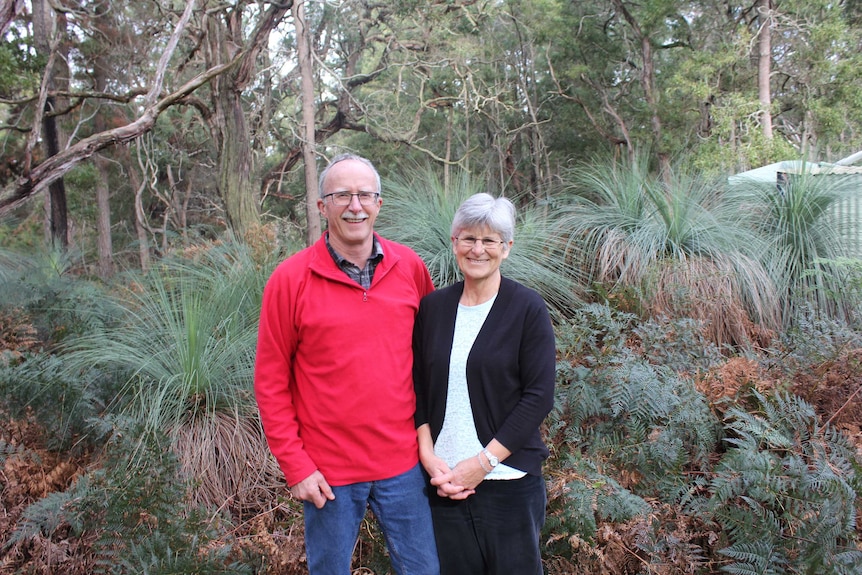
(489, 244)
(344, 198)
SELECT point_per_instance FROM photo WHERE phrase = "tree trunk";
(46, 37)
(226, 43)
(138, 186)
(103, 196)
(306, 72)
(103, 191)
(764, 65)
(647, 80)
(59, 223)
(235, 164)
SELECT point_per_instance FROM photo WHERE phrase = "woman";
(484, 357)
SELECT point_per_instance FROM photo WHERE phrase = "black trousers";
(495, 531)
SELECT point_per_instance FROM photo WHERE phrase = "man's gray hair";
(484, 210)
(341, 158)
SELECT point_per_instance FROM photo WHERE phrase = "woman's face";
(479, 252)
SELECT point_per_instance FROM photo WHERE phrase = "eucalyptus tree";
(202, 49)
(814, 82)
(49, 31)
(456, 84)
(816, 78)
(613, 67)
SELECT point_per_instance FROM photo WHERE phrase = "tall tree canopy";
(181, 117)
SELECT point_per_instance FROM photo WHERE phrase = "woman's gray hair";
(341, 158)
(484, 210)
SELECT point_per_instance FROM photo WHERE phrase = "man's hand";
(313, 489)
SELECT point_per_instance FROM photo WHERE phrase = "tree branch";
(58, 165)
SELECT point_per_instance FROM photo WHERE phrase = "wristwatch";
(492, 459)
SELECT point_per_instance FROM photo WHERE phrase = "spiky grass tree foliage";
(806, 239)
(787, 491)
(676, 240)
(417, 211)
(184, 353)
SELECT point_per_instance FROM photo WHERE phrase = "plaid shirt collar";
(362, 276)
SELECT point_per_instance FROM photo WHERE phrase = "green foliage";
(813, 340)
(185, 346)
(139, 512)
(594, 332)
(182, 359)
(786, 491)
(589, 498)
(630, 414)
(63, 403)
(845, 276)
(19, 65)
(676, 239)
(47, 516)
(678, 343)
(804, 237)
(59, 304)
(417, 211)
(652, 422)
(140, 515)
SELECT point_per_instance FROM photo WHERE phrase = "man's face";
(353, 224)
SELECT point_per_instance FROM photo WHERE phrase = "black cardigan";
(510, 369)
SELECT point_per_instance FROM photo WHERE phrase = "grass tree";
(418, 211)
(677, 242)
(807, 239)
(184, 355)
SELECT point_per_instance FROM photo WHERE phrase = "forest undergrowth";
(645, 533)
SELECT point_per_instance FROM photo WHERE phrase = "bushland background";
(158, 159)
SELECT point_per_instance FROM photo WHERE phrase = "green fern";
(754, 558)
(64, 402)
(46, 516)
(790, 485)
(678, 343)
(589, 498)
(644, 419)
(595, 333)
(141, 514)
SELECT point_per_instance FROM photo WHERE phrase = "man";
(333, 379)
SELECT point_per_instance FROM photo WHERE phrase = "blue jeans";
(401, 507)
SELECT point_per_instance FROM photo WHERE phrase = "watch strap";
(492, 459)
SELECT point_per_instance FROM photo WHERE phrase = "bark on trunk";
(303, 46)
(240, 198)
(764, 65)
(140, 227)
(59, 223)
(103, 196)
(46, 24)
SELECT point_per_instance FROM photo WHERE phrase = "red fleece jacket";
(333, 377)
